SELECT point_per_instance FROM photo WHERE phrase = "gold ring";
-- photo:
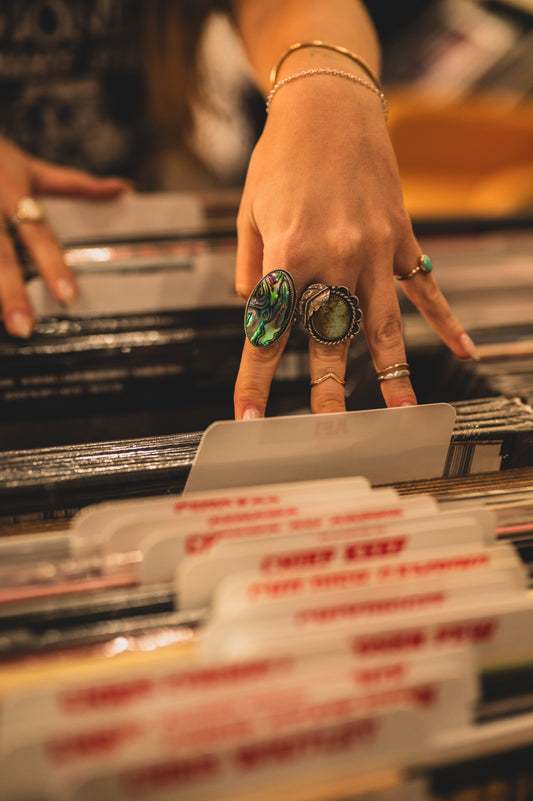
(329, 374)
(317, 43)
(398, 370)
(27, 210)
(423, 264)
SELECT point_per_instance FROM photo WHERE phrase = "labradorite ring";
(331, 314)
(270, 308)
(423, 265)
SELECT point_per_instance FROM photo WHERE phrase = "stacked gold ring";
(398, 370)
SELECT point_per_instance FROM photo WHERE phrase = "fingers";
(383, 330)
(327, 367)
(52, 179)
(369, 272)
(38, 238)
(46, 253)
(258, 364)
(423, 291)
(16, 311)
(22, 175)
(337, 315)
(256, 372)
(382, 324)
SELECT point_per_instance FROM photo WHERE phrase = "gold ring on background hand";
(398, 370)
(27, 210)
(329, 374)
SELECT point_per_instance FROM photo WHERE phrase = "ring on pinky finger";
(423, 265)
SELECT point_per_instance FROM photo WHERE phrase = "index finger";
(46, 252)
(255, 376)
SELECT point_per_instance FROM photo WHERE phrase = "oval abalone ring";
(331, 314)
(270, 308)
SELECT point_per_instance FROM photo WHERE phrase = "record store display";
(315, 640)
(153, 342)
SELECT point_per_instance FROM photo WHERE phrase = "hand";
(322, 200)
(22, 175)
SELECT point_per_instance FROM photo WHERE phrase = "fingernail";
(21, 324)
(65, 290)
(468, 345)
(251, 413)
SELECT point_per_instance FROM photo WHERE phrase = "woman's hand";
(323, 201)
(23, 176)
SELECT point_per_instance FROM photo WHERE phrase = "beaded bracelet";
(325, 46)
(327, 71)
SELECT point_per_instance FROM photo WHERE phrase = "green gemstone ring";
(423, 264)
(331, 314)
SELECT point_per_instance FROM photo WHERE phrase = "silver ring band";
(388, 375)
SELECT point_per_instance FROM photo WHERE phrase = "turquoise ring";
(331, 314)
(270, 308)
(423, 264)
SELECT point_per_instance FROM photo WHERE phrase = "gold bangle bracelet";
(325, 46)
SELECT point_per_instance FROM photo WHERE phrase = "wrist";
(329, 73)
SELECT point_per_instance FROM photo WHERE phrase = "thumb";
(56, 180)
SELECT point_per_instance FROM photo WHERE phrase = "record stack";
(43, 488)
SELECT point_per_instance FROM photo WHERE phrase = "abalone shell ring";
(270, 308)
(423, 264)
(28, 210)
(331, 314)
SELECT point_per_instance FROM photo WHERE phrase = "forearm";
(269, 27)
